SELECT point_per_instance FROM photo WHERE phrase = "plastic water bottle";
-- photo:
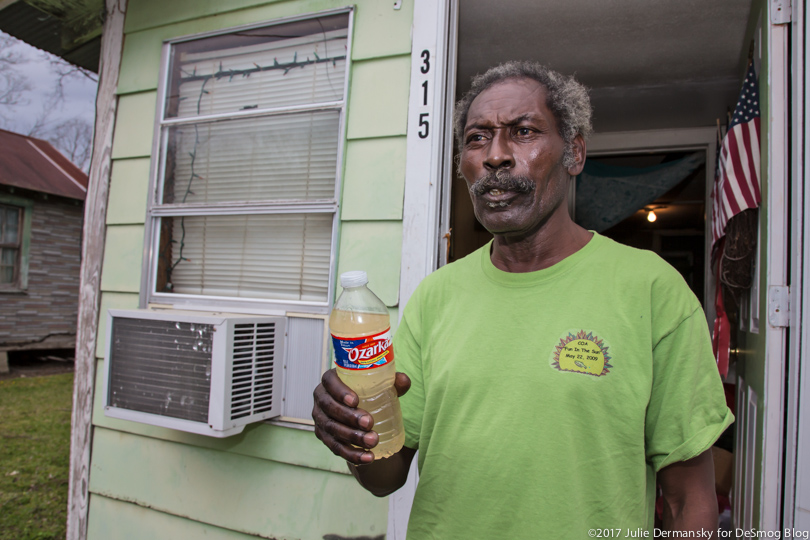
(364, 356)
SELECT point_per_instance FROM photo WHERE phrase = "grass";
(34, 456)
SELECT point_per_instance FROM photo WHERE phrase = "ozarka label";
(363, 353)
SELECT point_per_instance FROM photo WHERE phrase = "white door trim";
(428, 162)
(797, 428)
(797, 464)
(650, 140)
(776, 265)
(428, 136)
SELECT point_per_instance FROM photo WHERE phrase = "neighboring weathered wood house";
(41, 211)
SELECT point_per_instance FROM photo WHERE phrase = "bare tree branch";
(65, 72)
(13, 84)
(42, 124)
(73, 136)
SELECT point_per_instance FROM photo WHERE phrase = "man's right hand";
(340, 425)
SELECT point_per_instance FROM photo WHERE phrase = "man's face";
(512, 157)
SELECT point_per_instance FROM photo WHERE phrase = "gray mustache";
(503, 180)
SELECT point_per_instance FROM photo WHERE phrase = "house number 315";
(424, 118)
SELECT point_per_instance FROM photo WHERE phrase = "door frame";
(772, 408)
(668, 140)
(428, 177)
(796, 507)
(429, 141)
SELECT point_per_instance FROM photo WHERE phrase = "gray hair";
(566, 98)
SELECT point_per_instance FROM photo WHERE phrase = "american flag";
(736, 187)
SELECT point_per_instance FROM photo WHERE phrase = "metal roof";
(29, 163)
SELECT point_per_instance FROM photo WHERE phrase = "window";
(12, 247)
(250, 140)
(10, 244)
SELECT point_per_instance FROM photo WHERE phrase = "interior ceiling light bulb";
(651, 216)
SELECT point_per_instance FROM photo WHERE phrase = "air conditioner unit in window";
(208, 373)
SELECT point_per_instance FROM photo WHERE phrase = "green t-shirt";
(543, 403)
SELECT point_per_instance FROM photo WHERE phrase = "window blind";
(291, 77)
(276, 75)
(283, 256)
(287, 157)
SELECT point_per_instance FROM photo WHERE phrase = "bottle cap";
(353, 279)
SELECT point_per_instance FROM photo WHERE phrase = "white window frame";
(148, 295)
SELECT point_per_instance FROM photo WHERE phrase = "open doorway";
(673, 225)
(651, 67)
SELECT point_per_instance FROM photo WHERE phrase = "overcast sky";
(79, 93)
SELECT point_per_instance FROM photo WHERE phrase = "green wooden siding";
(117, 520)
(230, 491)
(374, 181)
(134, 126)
(378, 98)
(121, 270)
(128, 183)
(140, 59)
(269, 481)
(374, 246)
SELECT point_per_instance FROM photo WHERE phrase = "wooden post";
(95, 213)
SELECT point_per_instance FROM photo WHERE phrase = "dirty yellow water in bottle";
(364, 356)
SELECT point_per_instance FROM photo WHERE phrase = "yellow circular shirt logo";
(582, 353)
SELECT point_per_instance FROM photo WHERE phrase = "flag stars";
(748, 103)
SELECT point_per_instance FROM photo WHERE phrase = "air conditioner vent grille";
(161, 367)
(254, 365)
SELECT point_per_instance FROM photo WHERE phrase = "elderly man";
(554, 377)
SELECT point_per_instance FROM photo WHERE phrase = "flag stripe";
(743, 140)
(753, 130)
(736, 186)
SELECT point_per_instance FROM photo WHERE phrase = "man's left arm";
(690, 502)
